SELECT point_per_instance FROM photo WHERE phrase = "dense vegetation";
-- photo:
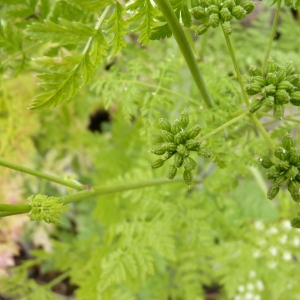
(147, 126)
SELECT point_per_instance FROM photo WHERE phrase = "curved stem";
(69, 183)
(273, 31)
(185, 49)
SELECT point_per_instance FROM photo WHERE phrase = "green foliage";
(145, 14)
(162, 241)
(118, 28)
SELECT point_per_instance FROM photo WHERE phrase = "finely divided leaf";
(145, 15)
(118, 27)
(161, 32)
(64, 33)
(98, 49)
(64, 82)
(91, 5)
(10, 40)
(61, 89)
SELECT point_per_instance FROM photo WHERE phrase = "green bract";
(178, 141)
(45, 208)
(277, 88)
(213, 13)
(285, 169)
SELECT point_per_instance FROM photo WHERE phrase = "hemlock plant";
(152, 230)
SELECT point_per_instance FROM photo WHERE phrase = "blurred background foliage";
(220, 239)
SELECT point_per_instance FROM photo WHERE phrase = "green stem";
(272, 35)
(12, 209)
(57, 280)
(69, 183)
(236, 67)
(284, 118)
(254, 119)
(213, 132)
(100, 190)
(185, 49)
(155, 87)
(263, 132)
(97, 26)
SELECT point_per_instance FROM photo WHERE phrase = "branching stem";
(213, 132)
(102, 190)
(273, 31)
(9, 209)
(185, 48)
(236, 66)
(69, 183)
(254, 119)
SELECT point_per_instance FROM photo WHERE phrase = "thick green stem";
(11, 209)
(69, 183)
(100, 190)
(213, 132)
(273, 31)
(185, 49)
(254, 119)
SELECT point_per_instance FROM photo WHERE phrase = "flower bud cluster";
(211, 13)
(178, 142)
(285, 170)
(277, 88)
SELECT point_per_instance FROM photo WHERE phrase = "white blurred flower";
(286, 224)
(237, 297)
(272, 230)
(241, 289)
(273, 251)
(260, 285)
(250, 287)
(256, 297)
(252, 274)
(259, 225)
(262, 242)
(296, 241)
(249, 296)
(256, 254)
(283, 239)
(287, 256)
(272, 265)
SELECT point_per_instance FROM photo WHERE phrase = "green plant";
(151, 237)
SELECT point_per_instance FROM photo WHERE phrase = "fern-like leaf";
(146, 14)
(90, 5)
(118, 27)
(63, 84)
(64, 33)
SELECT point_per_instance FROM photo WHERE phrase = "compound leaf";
(118, 27)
